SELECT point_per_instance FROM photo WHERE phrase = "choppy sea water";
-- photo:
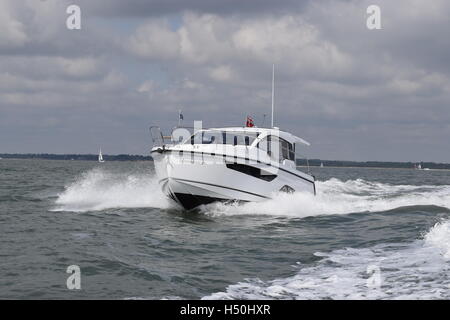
(369, 233)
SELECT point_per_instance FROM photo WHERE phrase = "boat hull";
(192, 179)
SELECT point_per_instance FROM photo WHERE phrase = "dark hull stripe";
(236, 157)
(219, 186)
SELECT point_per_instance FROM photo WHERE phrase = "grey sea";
(368, 234)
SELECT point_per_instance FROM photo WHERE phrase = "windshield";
(222, 137)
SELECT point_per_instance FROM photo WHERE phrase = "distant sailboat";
(419, 167)
(321, 164)
(100, 157)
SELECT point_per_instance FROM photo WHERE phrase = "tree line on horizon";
(371, 164)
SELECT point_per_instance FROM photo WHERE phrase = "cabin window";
(207, 137)
(240, 138)
(285, 149)
(223, 137)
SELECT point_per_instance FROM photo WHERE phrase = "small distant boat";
(100, 157)
(419, 167)
(321, 164)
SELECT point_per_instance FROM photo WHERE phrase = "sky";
(353, 93)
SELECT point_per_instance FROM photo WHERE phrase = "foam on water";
(418, 270)
(439, 237)
(340, 197)
(99, 189)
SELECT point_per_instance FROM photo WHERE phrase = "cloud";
(222, 73)
(352, 92)
(156, 41)
(156, 8)
(13, 33)
(213, 40)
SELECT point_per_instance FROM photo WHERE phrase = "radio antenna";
(273, 89)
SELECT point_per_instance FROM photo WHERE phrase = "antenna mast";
(273, 89)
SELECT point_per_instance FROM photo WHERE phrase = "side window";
(285, 149)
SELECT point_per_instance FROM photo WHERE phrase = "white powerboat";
(228, 164)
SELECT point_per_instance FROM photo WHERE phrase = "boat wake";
(418, 270)
(340, 197)
(99, 189)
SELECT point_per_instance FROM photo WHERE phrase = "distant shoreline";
(300, 163)
(78, 157)
(374, 164)
(376, 168)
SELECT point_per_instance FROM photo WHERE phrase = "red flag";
(250, 122)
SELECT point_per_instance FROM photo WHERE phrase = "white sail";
(100, 156)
